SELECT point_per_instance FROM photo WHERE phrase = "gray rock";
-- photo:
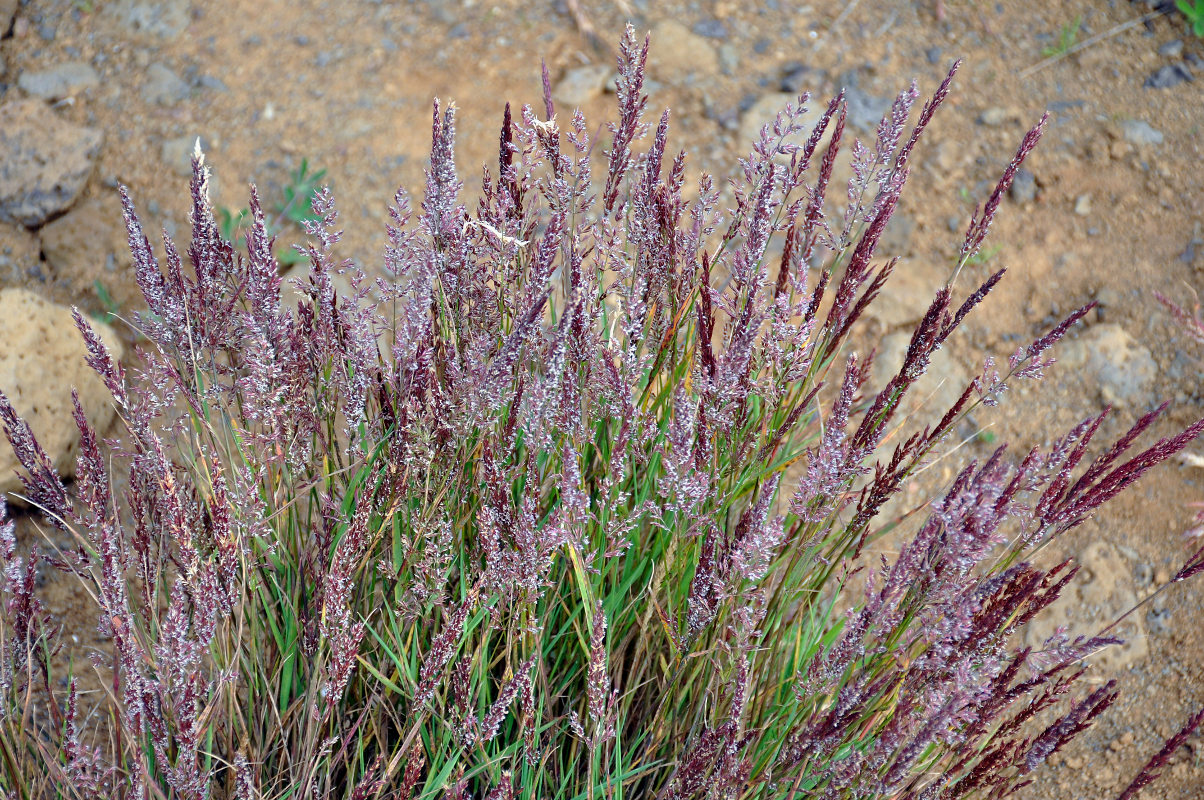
(1168, 76)
(582, 84)
(896, 239)
(710, 28)
(729, 59)
(64, 80)
(678, 54)
(866, 110)
(177, 153)
(933, 54)
(159, 19)
(163, 87)
(798, 78)
(1140, 132)
(1024, 187)
(1120, 367)
(1171, 49)
(212, 83)
(44, 162)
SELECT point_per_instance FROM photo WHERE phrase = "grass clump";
(554, 516)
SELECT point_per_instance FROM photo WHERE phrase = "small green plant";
(984, 255)
(1193, 11)
(106, 299)
(1066, 39)
(295, 208)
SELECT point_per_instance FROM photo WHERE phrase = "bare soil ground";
(1115, 210)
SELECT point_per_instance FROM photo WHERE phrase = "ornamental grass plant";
(568, 506)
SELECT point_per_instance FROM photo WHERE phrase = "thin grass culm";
(569, 506)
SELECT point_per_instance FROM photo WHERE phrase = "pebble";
(1171, 49)
(710, 28)
(995, 116)
(896, 239)
(64, 80)
(1168, 76)
(582, 84)
(1140, 132)
(1082, 205)
(161, 19)
(933, 54)
(212, 83)
(163, 87)
(44, 162)
(177, 154)
(729, 59)
(798, 78)
(1024, 187)
(865, 110)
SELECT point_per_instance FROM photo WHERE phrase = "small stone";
(212, 83)
(582, 84)
(995, 116)
(798, 78)
(678, 53)
(729, 59)
(710, 28)
(1168, 76)
(1024, 187)
(177, 153)
(1140, 132)
(44, 162)
(163, 87)
(41, 359)
(1171, 49)
(933, 54)
(160, 19)
(1082, 205)
(896, 239)
(64, 80)
(865, 110)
